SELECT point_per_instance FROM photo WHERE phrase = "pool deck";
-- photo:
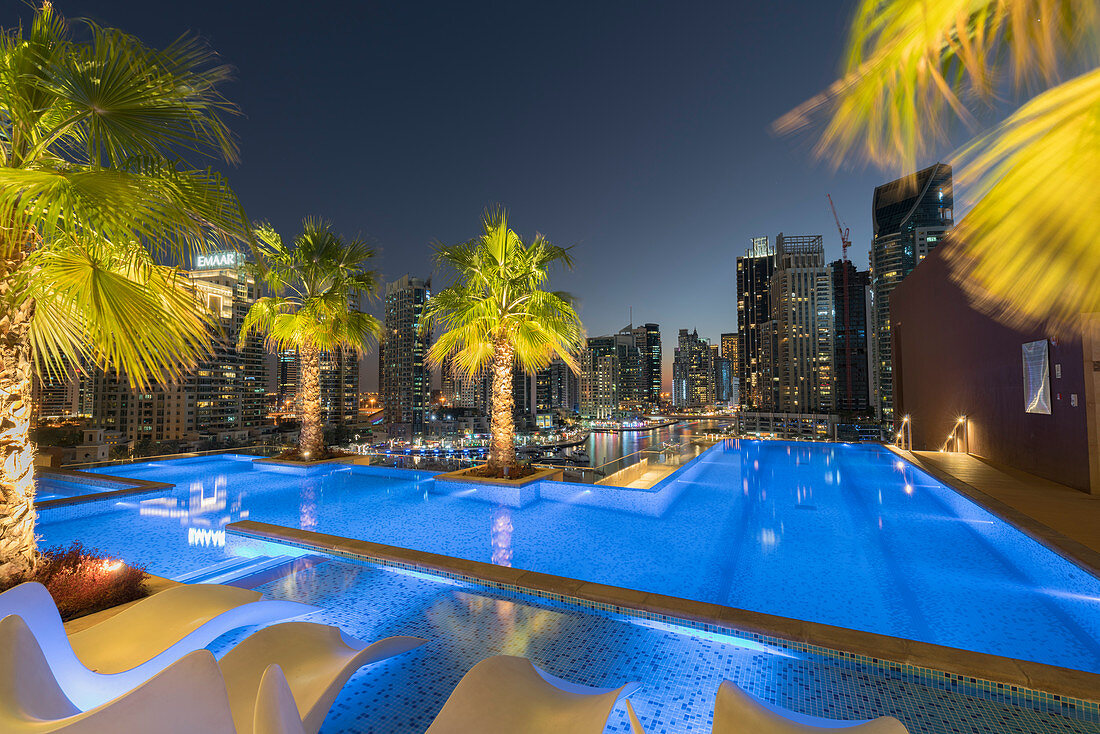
(1062, 518)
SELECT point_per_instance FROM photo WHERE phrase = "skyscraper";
(723, 383)
(556, 388)
(730, 353)
(802, 307)
(692, 372)
(223, 397)
(911, 216)
(647, 340)
(610, 374)
(229, 386)
(55, 393)
(404, 383)
(851, 358)
(339, 382)
(599, 381)
(754, 272)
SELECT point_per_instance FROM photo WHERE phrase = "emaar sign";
(212, 260)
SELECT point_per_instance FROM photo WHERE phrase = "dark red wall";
(950, 360)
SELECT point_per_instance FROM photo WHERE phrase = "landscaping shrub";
(83, 581)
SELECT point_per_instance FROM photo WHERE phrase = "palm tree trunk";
(17, 547)
(311, 436)
(502, 448)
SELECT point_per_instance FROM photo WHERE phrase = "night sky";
(636, 131)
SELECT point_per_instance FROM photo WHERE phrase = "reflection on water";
(472, 618)
(203, 512)
(605, 447)
(307, 505)
(500, 536)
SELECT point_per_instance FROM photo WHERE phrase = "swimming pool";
(53, 487)
(839, 534)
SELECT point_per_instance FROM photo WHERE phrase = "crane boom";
(844, 243)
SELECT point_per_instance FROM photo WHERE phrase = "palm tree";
(1029, 248)
(496, 314)
(319, 284)
(96, 195)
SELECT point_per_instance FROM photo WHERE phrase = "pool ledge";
(127, 488)
(1065, 546)
(920, 657)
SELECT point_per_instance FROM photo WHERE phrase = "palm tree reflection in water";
(500, 536)
(307, 506)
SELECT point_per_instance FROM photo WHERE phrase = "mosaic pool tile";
(680, 668)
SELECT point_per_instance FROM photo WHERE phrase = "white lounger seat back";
(316, 659)
(114, 656)
(187, 697)
(506, 695)
(191, 695)
(735, 710)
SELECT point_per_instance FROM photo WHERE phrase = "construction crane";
(844, 243)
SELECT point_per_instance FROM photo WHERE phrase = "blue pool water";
(843, 535)
(52, 488)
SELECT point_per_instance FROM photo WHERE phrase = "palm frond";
(1029, 249)
(175, 211)
(115, 308)
(914, 69)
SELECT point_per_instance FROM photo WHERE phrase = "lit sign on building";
(228, 259)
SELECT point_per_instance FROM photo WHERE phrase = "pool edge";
(1029, 679)
(1072, 550)
(137, 486)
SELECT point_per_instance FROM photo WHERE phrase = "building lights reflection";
(206, 537)
(203, 512)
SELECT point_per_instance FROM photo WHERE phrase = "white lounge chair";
(317, 660)
(116, 655)
(190, 695)
(737, 711)
(509, 695)
(187, 696)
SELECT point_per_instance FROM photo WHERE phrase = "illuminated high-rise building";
(599, 381)
(723, 379)
(729, 352)
(754, 272)
(223, 397)
(851, 356)
(693, 383)
(404, 382)
(56, 391)
(802, 319)
(911, 216)
(647, 388)
(556, 388)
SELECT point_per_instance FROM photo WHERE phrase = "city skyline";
(647, 147)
